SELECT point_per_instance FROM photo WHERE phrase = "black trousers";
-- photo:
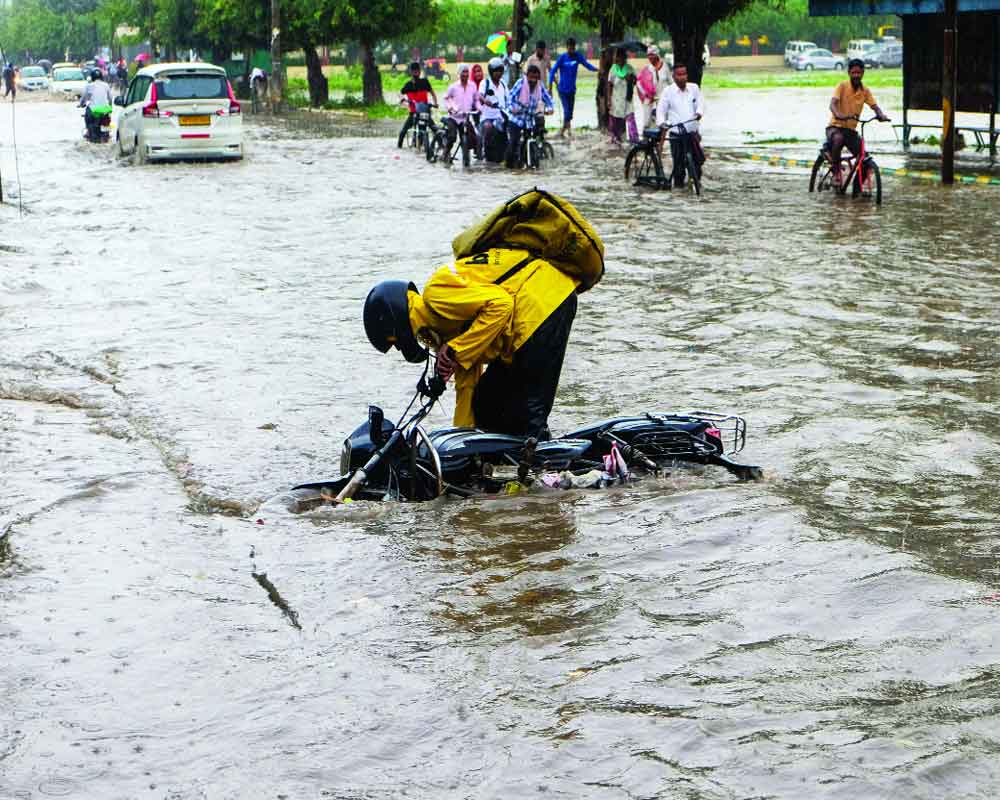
(410, 122)
(677, 153)
(517, 398)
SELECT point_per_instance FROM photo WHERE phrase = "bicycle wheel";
(820, 170)
(858, 187)
(534, 153)
(463, 142)
(548, 151)
(436, 148)
(639, 165)
(694, 173)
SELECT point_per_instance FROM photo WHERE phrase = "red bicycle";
(860, 172)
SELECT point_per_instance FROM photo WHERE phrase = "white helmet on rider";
(495, 63)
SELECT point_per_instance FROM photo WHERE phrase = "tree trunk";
(248, 51)
(319, 88)
(609, 33)
(371, 78)
(688, 36)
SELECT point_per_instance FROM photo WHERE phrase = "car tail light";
(234, 104)
(153, 110)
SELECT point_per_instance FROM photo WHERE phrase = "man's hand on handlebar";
(446, 362)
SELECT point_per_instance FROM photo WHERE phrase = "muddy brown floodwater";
(179, 344)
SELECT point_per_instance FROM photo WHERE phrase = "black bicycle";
(644, 165)
(534, 149)
(438, 149)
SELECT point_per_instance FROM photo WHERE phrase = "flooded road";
(181, 343)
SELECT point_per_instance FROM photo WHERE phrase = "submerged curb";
(923, 175)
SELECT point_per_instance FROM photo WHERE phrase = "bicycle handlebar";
(679, 124)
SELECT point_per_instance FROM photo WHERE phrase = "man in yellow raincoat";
(499, 317)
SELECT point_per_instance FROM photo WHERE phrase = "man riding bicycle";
(680, 109)
(461, 100)
(414, 91)
(527, 101)
(849, 99)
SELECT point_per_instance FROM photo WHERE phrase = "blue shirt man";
(567, 65)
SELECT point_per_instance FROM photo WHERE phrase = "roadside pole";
(520, 12)
(276, 79)
(949, 90)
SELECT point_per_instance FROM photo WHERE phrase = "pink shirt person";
(461, 99)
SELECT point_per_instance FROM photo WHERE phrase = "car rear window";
(191, 87)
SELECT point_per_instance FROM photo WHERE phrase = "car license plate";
(195, 119)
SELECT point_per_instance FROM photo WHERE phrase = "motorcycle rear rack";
(732, 429)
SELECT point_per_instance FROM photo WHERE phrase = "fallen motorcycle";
(382, 460)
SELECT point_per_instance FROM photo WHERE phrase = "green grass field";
(348, 83)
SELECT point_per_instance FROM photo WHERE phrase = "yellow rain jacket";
(512, 270)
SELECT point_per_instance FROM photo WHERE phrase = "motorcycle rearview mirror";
(375, 419)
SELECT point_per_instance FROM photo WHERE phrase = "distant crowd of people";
(490, 108)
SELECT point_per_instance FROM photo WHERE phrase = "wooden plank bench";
(986, 138)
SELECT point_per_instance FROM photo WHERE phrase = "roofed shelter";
(951, 59)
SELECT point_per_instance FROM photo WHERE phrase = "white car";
(817, 59)
(33, 78)
(794, 48)
(860, 48)
(67, 82)
(184, 110)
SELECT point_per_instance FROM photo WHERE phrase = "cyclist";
(566, 65)
(414, 91)
(461, 100)
(493, 99)
(680, 109)
(527, 100)
(849, 99)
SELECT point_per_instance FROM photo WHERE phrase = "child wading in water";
(621, 84)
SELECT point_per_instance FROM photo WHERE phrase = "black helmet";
(387, 315)
(95, 75)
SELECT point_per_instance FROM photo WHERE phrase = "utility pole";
(520, 13)
(949, 91)
(276, 78)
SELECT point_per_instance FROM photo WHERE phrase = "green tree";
(370, 21)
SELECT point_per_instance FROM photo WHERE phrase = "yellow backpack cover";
(547, 226)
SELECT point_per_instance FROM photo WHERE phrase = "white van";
(794, 48)
(184, 110)
(860, 48)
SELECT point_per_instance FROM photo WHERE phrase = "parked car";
(887, 55)
(860, 48)
(33, 78)
(794, 48)
(67, 82)
(818, 58)
(185, 110)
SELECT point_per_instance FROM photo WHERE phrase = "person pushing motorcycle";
(500, 316)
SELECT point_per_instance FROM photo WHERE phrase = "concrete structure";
(951, 59)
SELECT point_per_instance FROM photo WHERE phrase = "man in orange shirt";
(849, 99)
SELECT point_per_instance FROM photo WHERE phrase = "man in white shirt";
(680, 109)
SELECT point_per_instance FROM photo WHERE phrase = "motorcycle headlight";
(345, 457)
